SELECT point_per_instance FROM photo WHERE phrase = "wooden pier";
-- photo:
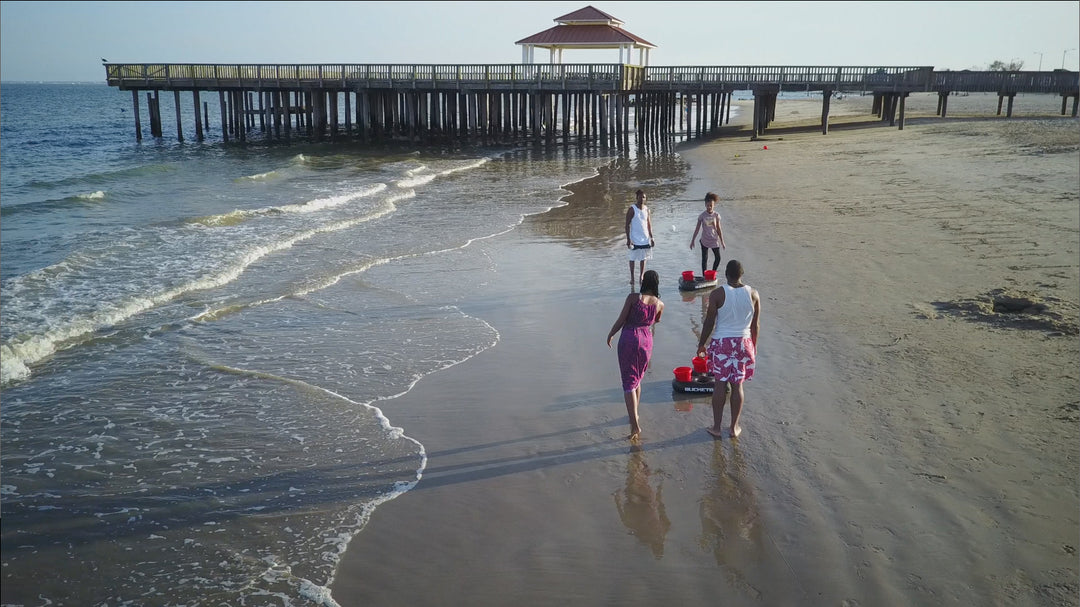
(538, 102)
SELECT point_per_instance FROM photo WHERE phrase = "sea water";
(202, 342)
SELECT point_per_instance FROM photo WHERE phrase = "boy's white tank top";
(734, 317)
(639, 230)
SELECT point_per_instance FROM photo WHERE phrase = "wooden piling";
(224, 119)
(179, 125)
(150, 113)
(198, 116)
(138, 121)
(826, 97)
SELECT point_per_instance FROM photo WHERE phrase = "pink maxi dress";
(635, 344)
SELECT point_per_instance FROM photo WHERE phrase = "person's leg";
(641, 271)
(736, 407)
(704, 259)
(719, 396)
(631, 399)
(631, 275)
(716, 258)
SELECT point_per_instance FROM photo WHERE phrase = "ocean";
(202, 342)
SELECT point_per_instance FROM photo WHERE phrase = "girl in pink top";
(712, 236)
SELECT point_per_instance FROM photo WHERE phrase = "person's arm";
(648, 222)
(755, 323)
(720, 233)
(622, 318)
(693, 239)
(716, 299)
(629, 218)
(659, 312)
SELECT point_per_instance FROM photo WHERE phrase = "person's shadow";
(641, 508)
(730, 526)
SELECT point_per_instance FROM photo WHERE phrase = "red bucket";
(710, 274)
(700, 365)
(688, 276)
(683, 374)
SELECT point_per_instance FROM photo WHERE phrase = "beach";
(911, 434)
(343, 374)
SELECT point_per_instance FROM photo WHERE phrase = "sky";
(66, 41)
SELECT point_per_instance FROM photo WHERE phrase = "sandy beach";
(910, 438)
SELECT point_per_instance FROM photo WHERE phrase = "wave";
(472, 165)
(389, 206)
(417, 181)
(319, 204)
(414, 179)
(48, 206)
(259, 176)
(22, 351)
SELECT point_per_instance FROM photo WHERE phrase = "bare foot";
(716, 433)
(635, 435)
(736, 430)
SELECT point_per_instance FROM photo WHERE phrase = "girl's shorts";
(640, 253)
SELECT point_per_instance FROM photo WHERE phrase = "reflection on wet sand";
(730, 525)
(595, 214)
(703, 297)
(641, 508)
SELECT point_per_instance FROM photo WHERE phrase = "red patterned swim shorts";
(732, 359)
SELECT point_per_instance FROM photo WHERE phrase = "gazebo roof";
(586, 28)
(587, 15)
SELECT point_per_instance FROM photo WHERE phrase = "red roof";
(585, 35)
(588, 14)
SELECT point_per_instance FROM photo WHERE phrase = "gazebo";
(586, 28)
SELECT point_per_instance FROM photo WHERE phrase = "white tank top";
(639, 226)
(734, 317)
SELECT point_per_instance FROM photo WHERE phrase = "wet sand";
(911, 435)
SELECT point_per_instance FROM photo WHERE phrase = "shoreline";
(880, 374)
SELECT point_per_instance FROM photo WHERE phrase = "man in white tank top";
(731, 326)
(639, 235)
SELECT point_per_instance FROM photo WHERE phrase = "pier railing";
(597, 77)
(590, 76)
(748, 77)
(513, 76)
(1057, 81)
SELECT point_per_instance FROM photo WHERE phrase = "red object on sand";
(764, 147)
(683, 374)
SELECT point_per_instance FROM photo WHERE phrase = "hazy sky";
(65, 41)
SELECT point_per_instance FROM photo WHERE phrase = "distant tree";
(1000, 66)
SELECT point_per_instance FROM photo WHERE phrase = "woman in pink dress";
(639, 313)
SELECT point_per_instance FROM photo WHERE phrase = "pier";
(602, 103)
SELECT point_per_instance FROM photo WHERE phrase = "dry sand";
(905, 443)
